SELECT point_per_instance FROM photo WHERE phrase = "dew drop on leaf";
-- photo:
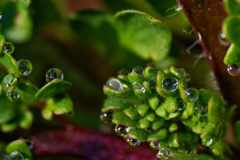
(152, 84)
(9, 81)
(222, 39)
(154, 144)
(133, 142)
(169, 84)
(28, 141)
(192, 94)
(138, 70)
(114, 84)
(106, 117)
(181, 71)
(123, 72)
(8, 48)
(121, 130)
(54, 73)
(16, 156)
(13, 96)
(137, 85)
(25, 67)
(163, 153)
(233, 70)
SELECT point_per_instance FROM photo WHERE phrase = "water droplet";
(192, 94)
(13, 96)
(9, 81)
(207, 141)
(25, 67)
(233, 70)
(163, 153)
(169, 84)
(54, 73)
(16, 156)
(222, 39)
(3, 155)
(179, 103)
(137, 85)
(154, 144)
(0, 15)
(106, 117)
(181, 71)
(8, 48)
(188, 77)
(204, 112)
(123, 72)
(115, 84)
(28, 141)
(138, 70)
(152, 84)
(151, 65)
(70, 114)
(133, 142)
(121, 130)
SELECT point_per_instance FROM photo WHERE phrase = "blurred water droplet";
(121, 130)
(152, 84)
(204, 112)
(70, 114)
(54, 73)
(233, 70)
(169, 84)
(16, 156)
(13, 96)
(137, 85)
(179, 103)
(106, 117)
(192, 94)
(188, 77)
(9, 81)
(222, 39)
(133, 142)
(8, 48)
(0, 15)
(114, 84)
(138, 70)
(28, 141)
(154, 144)
(123, 72)
(25, 67)
(181, 71)
(3, 155)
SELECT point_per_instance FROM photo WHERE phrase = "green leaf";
(232, 56)
(8, 127)
(6, 110)
(2, 40)
(122, 118)
(27, 91)
(148, 37)
(230, 28)
(26, 119)
(140, 134)
(158, 135)
(8, 63)
(20, 146)
(52, 88)
(232, 6)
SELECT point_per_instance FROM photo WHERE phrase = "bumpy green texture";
(157, 107)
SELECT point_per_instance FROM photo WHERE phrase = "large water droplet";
(137, 85)
(192, 94)
(154, 144)
(121, 130)
(133, 142)
(222, 40)
(8, 48)
(9, 81)
(233, 70)
(115, 84)
(207, 140)
(54, 73)
(25, 67)
(169, 84)
(16, 156)
(123, 72)
(3, 155)
(181, 71)
(13, 96)
(28, 141)
(138, 70)
(106, 117)
(152, 84)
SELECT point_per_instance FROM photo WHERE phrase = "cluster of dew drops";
(17, 155)
(25, 68)
(169, 84)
